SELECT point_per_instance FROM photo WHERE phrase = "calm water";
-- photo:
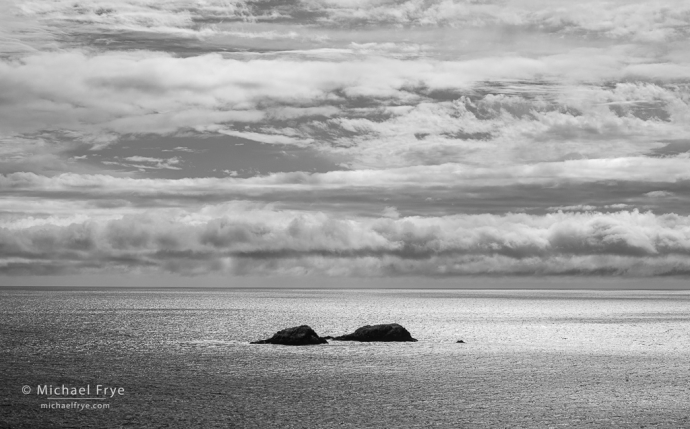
(531, 358)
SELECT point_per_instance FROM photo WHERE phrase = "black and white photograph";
(344, 214)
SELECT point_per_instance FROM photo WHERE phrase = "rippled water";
(531, 358)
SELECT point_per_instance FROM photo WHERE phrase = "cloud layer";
(353, 138)
(250, 239)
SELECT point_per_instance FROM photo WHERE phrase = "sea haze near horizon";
(119, 281)
(530, 359)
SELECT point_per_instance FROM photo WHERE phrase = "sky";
(221, 142)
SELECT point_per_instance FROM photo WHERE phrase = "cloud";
(588, 122)
(22, 33)
(659, 194)
(260, 240)
(366, 112)
(142, 92)
(147, 162)
(423, 179)
(641, 21)
(265, 138)
(524, 147)
(390, 212)
(371, 111)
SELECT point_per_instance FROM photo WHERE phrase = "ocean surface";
(183, 358)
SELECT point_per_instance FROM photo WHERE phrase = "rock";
(460, 341)
(328, 337)
(297, 336)
(387, 332)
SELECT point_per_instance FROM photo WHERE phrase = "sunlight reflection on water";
(580, 350)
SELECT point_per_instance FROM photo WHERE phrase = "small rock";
(460, 341)
(297, 336)
(387, 332)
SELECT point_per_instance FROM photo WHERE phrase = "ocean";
(182, 358)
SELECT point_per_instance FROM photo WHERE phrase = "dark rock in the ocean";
(460, 341)
(387, 332)
(297, 336)
(328, 337)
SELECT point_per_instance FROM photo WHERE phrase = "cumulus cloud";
(263, 240)
(521, 148)
(590, 122)
(416, 112)
(157, 93)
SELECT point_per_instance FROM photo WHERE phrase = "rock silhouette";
(386, 332)
(297, 336)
